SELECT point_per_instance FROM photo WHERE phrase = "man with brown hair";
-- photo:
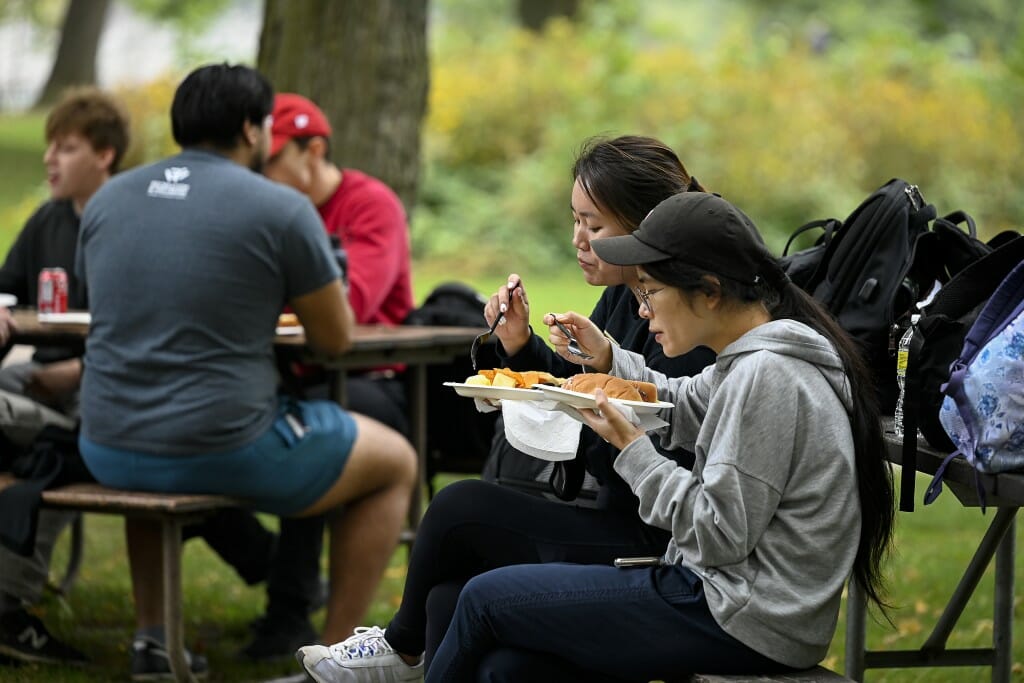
(87, 136)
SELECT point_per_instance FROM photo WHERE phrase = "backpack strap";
(911, 409)
(831, 226)
(825, 245)
(958, 217)
(935, 487)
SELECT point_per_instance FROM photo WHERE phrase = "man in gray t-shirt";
(188, 262)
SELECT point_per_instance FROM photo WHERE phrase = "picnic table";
(1005, 493)
(414, 346)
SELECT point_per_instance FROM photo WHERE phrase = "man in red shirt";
(369, 223)
(357, 208)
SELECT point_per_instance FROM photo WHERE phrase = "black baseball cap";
(697, 228)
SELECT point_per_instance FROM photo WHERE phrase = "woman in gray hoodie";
(788, 498)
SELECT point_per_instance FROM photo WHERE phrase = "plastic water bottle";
(902, 357)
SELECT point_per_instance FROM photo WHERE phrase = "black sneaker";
(278, 638)
(150, 662)
(24, 638)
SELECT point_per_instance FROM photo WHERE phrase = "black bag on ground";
(936, 342)
(458, 435)
(871, 270)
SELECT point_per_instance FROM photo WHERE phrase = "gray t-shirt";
(188, 263)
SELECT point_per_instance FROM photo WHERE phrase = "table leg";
(339, 387)
(418, 410)
(1002, 618)
(173, 617)
(990, 542)
(856, 630)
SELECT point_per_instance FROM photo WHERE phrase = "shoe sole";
(312, 674)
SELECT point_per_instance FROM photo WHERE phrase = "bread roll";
(613, 387)
(287, 320)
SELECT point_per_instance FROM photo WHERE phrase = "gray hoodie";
(770, 515)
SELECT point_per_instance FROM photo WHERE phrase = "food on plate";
(614, 387)
(503, 377)
(288, 320)
(502, 380)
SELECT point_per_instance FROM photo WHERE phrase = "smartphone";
(638, 561)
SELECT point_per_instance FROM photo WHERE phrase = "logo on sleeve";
(172, 186)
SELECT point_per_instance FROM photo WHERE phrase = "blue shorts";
(280, 472)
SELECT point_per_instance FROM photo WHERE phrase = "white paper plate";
(72, 317)
(8, 300)
(290, 331)
(495, 393)
(581, 400)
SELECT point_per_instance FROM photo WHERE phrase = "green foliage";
(788, 128)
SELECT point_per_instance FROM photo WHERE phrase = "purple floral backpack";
(983, 411)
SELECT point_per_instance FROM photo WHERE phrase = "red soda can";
(53, 290)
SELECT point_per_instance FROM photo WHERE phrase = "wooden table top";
(364, 337)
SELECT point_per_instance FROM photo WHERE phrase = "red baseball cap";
(296, 117)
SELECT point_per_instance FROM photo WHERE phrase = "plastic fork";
(482, 338)
(574, 346)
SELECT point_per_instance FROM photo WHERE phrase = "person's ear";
(711, 288)
(251, 132)
(106, 158)
(317, 147)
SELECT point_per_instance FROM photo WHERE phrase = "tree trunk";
(75, 63)
(365, 64)
(534, 13)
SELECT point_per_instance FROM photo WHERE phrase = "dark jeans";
(472, 526)
(563, 622)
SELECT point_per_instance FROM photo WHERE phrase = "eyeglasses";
(644, 297)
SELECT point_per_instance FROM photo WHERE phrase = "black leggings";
(473, 526)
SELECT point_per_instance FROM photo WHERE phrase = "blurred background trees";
(366, 65)
(793, 109)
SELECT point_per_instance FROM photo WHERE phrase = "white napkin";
(550, 430)
(646, 421)
(538, 429)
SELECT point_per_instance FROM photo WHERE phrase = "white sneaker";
(364, 657)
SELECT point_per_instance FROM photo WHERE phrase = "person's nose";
(579, 239)
(49, 153)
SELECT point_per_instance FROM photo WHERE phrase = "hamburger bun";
(613, 387)
(288, 320)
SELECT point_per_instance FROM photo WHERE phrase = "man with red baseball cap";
(360, 210)
(366, 219)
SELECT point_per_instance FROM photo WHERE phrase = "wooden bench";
(818, 674)
(172, 511)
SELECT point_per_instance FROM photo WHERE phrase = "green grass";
(933, 545)
(21, 167)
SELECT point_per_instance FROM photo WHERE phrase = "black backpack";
(458, 435)
(871, 269)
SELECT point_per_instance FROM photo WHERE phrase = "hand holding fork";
(483, 338)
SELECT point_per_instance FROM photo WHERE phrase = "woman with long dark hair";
(788, 498)
(473, 526)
